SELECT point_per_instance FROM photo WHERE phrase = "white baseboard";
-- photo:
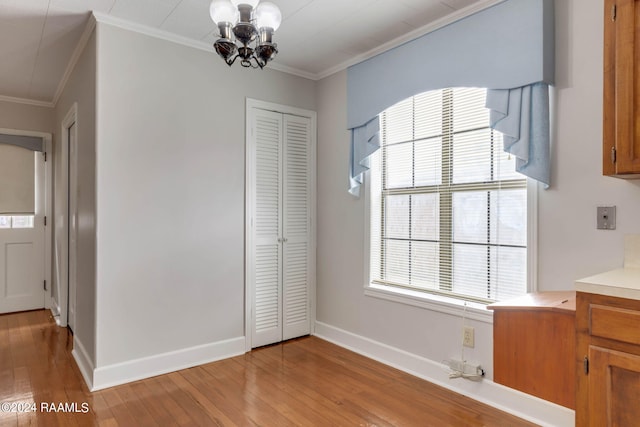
(146, 367)
(520, 404)
(55, 312)
(83, 361)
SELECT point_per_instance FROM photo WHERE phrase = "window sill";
(442, 304)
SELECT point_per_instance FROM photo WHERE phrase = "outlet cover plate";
(606, 218)
(468, 336)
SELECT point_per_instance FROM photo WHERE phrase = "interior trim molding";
(520, 404)
(83, 361)
(77, 52)
(470, 310)
(185, 41)
(146, 367)
(32, 102)
(150, 31)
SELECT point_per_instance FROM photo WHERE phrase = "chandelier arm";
(256, 60)
(231, 60)
(260, 64)
(249, 62)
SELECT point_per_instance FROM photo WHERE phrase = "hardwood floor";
(303, 382)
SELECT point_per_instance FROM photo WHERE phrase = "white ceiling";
(316, 38)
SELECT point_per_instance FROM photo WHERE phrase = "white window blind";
(17, 180)
(448, 211)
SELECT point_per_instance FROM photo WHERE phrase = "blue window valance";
(507, 48)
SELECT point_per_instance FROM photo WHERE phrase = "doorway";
(279, 223)
(24, 202)
(66, 230)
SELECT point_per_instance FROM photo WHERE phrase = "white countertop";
(622, 283)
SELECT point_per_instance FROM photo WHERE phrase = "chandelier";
(251, 25)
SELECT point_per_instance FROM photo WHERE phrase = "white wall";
(80, 89)
(569, 245)
(170, 179)
(26, 117)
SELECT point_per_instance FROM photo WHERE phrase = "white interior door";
(280, 253)
(22, 252)
(73, 222)
(266, 274)
(296, 208)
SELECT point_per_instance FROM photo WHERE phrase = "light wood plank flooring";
(303, 382)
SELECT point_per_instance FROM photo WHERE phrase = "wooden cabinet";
(608, 361)
(534, 345)
(621, 97)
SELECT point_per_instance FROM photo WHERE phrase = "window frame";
(439, 302)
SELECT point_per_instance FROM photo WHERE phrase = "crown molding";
(418, 32)
(174, 38)
(26, 101)
(75, 56)
(293, 71)
(151, 31)
(82, 43)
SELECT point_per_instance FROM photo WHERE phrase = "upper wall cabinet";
(621, 103)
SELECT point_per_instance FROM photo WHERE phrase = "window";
(16, 221)
(448, 211)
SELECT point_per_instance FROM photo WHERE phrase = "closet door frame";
(250, 190)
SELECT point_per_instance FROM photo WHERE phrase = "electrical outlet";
(606, 219)
(468, 336)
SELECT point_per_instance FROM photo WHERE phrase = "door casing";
(63, 247)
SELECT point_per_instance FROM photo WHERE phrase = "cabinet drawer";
(615, 323)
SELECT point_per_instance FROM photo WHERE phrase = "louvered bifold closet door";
(296, 226)
(267, 271)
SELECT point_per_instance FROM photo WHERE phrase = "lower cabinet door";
(614, 388)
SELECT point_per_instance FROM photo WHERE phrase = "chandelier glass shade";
(246, 30)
